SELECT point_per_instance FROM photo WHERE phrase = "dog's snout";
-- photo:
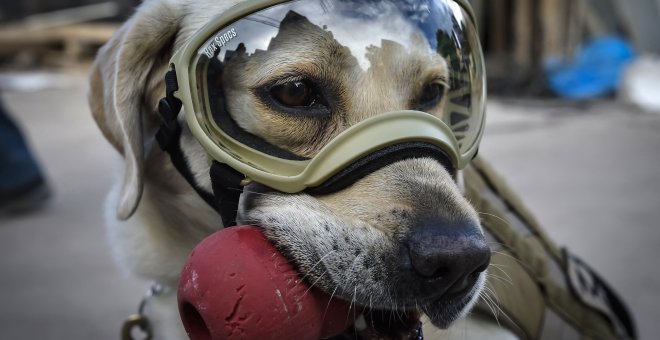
(448, 257)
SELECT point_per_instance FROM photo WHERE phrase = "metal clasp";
(133, 323)
(139, 321)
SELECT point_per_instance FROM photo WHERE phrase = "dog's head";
(400, 239)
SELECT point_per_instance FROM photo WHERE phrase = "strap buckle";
(169, 108)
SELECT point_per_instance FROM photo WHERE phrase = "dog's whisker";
(497, 306)
(393, 311)
(499, 244)
(498, 265)
(316, 264)
(329, 301)
(491, 293)
(393, 315)
(512, 257)
(371, 315)
(507, 223)
(491, 302)
(493, 215)
(313, 283)
(501, 279)
(496, 310)
(351, 306)
(506, 278)
(355, 306)
(353, 301)
(416, 305)
(492, 309)
(501, 269)
(392, 302)
(402, 314)
(504, 247)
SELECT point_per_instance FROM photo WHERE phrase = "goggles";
(420, 57)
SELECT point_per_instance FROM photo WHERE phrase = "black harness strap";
(225, 181)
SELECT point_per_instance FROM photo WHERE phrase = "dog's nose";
(449, 257)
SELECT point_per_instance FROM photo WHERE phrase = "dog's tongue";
(235, 284)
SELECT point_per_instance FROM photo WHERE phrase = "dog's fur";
(356, 232)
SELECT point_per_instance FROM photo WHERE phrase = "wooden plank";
(522, 49)
(72, 16)
(72, 39)
(576, 21)
(554, 22)
(497, 27)
(26, 36)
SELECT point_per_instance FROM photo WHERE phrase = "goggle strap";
(225, 181)
(378, 160)
(168, 140)
(169, 136)
(227, 189)
(169, 108)
(171, 84)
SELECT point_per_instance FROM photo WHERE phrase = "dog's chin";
(449, 308)
(406, 324)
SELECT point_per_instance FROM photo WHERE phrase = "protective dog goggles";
(413, 71)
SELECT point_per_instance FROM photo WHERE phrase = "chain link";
(139, 321)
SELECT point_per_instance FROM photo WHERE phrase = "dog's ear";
(126, 82)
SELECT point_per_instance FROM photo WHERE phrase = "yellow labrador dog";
(371, 237)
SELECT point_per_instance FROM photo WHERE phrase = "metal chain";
(139, 321)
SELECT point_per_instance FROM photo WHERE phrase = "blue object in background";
(596, 70)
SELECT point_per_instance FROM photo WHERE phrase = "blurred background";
(573, 124)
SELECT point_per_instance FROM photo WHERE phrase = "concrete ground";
(591, 174)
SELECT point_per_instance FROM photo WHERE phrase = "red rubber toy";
(236, 285)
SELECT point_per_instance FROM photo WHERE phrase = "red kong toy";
(236, 285)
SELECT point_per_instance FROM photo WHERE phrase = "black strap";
(593, 291)
(225, 181)
(227, 189)
(377, 160)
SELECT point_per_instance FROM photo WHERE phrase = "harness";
(544, 291)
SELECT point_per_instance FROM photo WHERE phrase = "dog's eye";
(295, 94)
(431, 95)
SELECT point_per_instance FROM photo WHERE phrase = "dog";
(373, 237)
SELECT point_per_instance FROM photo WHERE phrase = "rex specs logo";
(219, 41)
